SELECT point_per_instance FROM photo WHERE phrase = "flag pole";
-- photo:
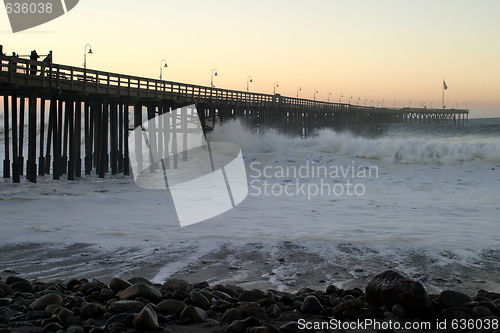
(443, 93)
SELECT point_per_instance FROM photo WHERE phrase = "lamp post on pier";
(350, 97)
(383, 103)
(276, 85)
(340, 98)
(328, 98)
(315, 92)
(364, 102)
(161, 67)
(299, 88)
(249, 79)
(212, 78)
(85, 55)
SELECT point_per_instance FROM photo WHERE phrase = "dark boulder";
(393, 288)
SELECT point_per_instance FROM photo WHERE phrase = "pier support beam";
(78, 139)
(16, 166)
(41, 158)
(32, 167)
(6, 161)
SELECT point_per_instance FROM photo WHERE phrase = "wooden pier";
(88, 115)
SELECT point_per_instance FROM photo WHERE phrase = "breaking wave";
(389, 150)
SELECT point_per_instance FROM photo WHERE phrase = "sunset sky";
(368, 49)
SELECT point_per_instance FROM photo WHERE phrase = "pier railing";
(49, 75)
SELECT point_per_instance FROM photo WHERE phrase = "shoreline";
(284, 266)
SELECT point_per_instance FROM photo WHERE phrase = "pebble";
(117, 328)
(273, 310)
(253, 310)
(180, 295)
(286, 299)
(119, 284)
(5, 301)
(62, 313)
(398, 310)
(176, 284)
(266, 301)
(125, 305)
(73, 320)
(52, 327)
(236, 326)
(331, 289)
(291, 327)
(297, 305)
(311, 305)
(210, 323)
(231, 315)
(356, 292)
(75, 329)
(141, 290)
(221, 294)
(146, 320)
(14, 279)
(125, 319)
(6, 289)
(46, 300)
(451, 298)
(97, 330)
(198, 300)
(359, 313)
(91, 310)
(243, 325)
(481, 311)
(170, 306)
(251, 295)
(25, 287)
(194, 314)
(37, 315)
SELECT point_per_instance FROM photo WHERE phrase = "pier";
(88, 115)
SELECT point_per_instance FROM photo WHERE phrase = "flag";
(445, 87)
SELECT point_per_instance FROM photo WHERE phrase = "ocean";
(332, 209)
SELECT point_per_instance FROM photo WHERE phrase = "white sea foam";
(387, 150)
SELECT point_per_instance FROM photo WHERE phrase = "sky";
(385, 51)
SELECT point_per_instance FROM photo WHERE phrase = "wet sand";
(284, 266)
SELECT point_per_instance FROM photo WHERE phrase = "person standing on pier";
(34, 57)
(48, 58)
